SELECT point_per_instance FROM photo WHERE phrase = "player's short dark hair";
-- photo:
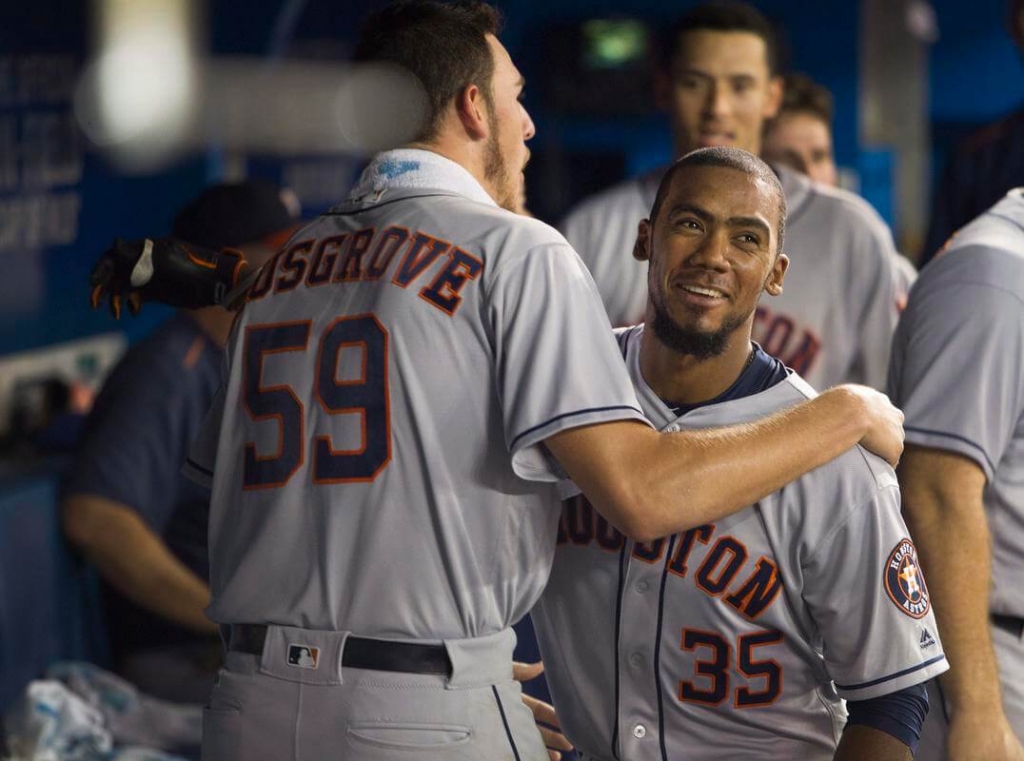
(721, 16)
(442, 43)
(730, 158)
(803, 95)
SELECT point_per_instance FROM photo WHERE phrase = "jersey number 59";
(366, 396)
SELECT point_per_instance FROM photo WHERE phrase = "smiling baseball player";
(408, 379)
(719, 83)
(736, 639)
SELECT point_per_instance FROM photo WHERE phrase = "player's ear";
(471, 108)
(773, 283)
(642, 247)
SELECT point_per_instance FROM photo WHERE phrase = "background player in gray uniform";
(957, 371)
(800, 136)
(407, 381)
(719, 82)
(723, 641)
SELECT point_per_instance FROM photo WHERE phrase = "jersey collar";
(414, 168)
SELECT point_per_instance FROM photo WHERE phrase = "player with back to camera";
(408, 379)
(723, 641)
(719, 82)
(956, 366)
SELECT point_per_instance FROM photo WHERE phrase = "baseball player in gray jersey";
(736, 639)
(408, 380)
(835, 321)
(956, 369)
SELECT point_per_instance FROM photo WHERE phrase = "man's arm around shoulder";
(650, 484)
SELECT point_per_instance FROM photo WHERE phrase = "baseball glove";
(164, 270)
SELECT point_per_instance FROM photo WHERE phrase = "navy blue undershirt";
(900, 714)
(762, 372)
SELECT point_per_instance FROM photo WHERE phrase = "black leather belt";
(360, 652)
(1010, 624)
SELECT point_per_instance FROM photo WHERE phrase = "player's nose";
(717, 101)
(529, 130)
(712, 252)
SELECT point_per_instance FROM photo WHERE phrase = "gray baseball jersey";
(957, 373)
(377, 445)
(722, 642)
(833, 322)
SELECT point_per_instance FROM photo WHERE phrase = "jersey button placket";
(639, 731)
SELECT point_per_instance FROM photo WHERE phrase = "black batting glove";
(163, 270)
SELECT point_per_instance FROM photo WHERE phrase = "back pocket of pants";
(408, 736)
(222, 734)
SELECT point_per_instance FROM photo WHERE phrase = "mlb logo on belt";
(303, 656)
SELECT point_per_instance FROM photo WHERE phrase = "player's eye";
(688, 82)
(688, 223)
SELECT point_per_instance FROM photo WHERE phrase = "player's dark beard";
(701, 345)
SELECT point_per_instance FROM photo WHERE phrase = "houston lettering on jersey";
(783, 337)
(722, 568)
(365, 256)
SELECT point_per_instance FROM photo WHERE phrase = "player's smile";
(702, 296)
(710, 137)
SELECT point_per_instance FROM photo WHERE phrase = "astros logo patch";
(303, 656)
(904, 581)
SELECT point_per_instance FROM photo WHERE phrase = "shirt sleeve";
(878, 311)
(132, 449)
(558, 365)
(202, 454)
(956, 369)
(868, 596)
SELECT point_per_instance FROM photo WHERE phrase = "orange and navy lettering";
(367, 395)
(721, 565)
(796, 345)
(364, 256)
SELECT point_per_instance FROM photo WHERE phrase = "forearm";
(721, 471)
(153, 578)
(945, 515)
(135, 561)
(651, 485)
(860, 743)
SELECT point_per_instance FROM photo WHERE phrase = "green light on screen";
(613, 44)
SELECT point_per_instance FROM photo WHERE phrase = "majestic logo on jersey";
(904, 581)
(927, 640)
(303, 656)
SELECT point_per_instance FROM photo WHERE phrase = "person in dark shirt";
(126, 505)
(981, 168)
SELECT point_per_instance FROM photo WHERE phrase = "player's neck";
(684, 379)
(463, 152)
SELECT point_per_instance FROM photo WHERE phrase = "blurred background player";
(956, 371)
(799, 136)
(126, 505)
(982, 167)
(719, 82)
(724, 641)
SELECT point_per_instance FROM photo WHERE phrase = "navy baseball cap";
(233, 214)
